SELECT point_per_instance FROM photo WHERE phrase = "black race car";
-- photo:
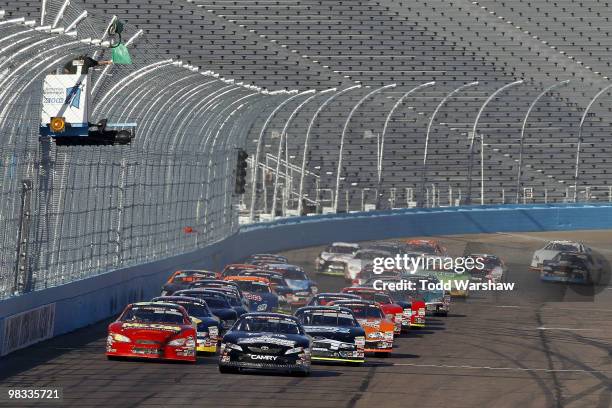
(266, 341)
(208, 325)
(236, 298)
(286, 295)
(217, 302)
(336, 334)
(570, 267)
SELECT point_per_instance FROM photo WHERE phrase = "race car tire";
(354, 364)
(228, 370)
(113, 358)
(442, 313)
(381, 354)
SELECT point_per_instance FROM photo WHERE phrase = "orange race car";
(378, 329)
(392, 311)
(258, 291)
(180, 280)
(426, 246)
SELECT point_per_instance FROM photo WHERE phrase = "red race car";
(393, 311)
(152, 330)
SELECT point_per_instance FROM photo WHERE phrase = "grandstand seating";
(322, 43)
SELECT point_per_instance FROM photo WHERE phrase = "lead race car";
(152, 330)
(337, 335)
(266, 341)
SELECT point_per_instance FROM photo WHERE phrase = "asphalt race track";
(542, 345)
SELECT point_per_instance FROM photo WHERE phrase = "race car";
(182, 279)
(362, 258)
(152, 330)
(426, 246)
(303, 287)
(336, 334)
(494, 269)
(235, 297)
(324, 263)
(552, 249)
(266, 341)
(437, 302)
(286, 295)
(570, 267)
(269, 258)
(207, 324)
(393, 312)
(258, 291)
(322, 299)
(234, 269)
(379, 330)
(218, 303)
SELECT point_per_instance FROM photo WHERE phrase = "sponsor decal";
(262, 357)
(267, 339)
(327, 329)
(152, 326)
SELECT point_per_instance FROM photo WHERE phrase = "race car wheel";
(442, 313)
(228, 370)
(381, 354)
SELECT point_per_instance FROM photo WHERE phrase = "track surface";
(542, 345)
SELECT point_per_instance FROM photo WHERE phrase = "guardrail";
(38, 315)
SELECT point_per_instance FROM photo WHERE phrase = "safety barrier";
(84, 302)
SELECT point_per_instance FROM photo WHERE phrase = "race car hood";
(374, 325)
(544, 254)
(147, 331)
(285, 341)
(391, 308)
(404, 304)
(344, 334)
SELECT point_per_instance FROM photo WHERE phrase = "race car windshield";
(318, 318)
(366, 312)
(195, 310)
(340, 249)
(491, 262)
(147, 314)
(253, 287)
(268, 325)
(294, 274)
(561, 247)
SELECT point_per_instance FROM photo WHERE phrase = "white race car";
(328, 261)
(362, 258)
(552, 248)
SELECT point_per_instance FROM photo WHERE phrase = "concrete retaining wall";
(84, 302)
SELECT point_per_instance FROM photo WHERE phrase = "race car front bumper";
(139, 351)
(281, 363)
(381, 346)
(564, 279)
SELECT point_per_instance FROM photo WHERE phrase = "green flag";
(121, 55)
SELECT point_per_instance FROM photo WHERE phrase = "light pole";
(307, 139)
(346, 124)
(520, 160)
(429, 125)
(258, 149)
(384, 131)
(468, 198)
(283, 137)
(579, 145)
